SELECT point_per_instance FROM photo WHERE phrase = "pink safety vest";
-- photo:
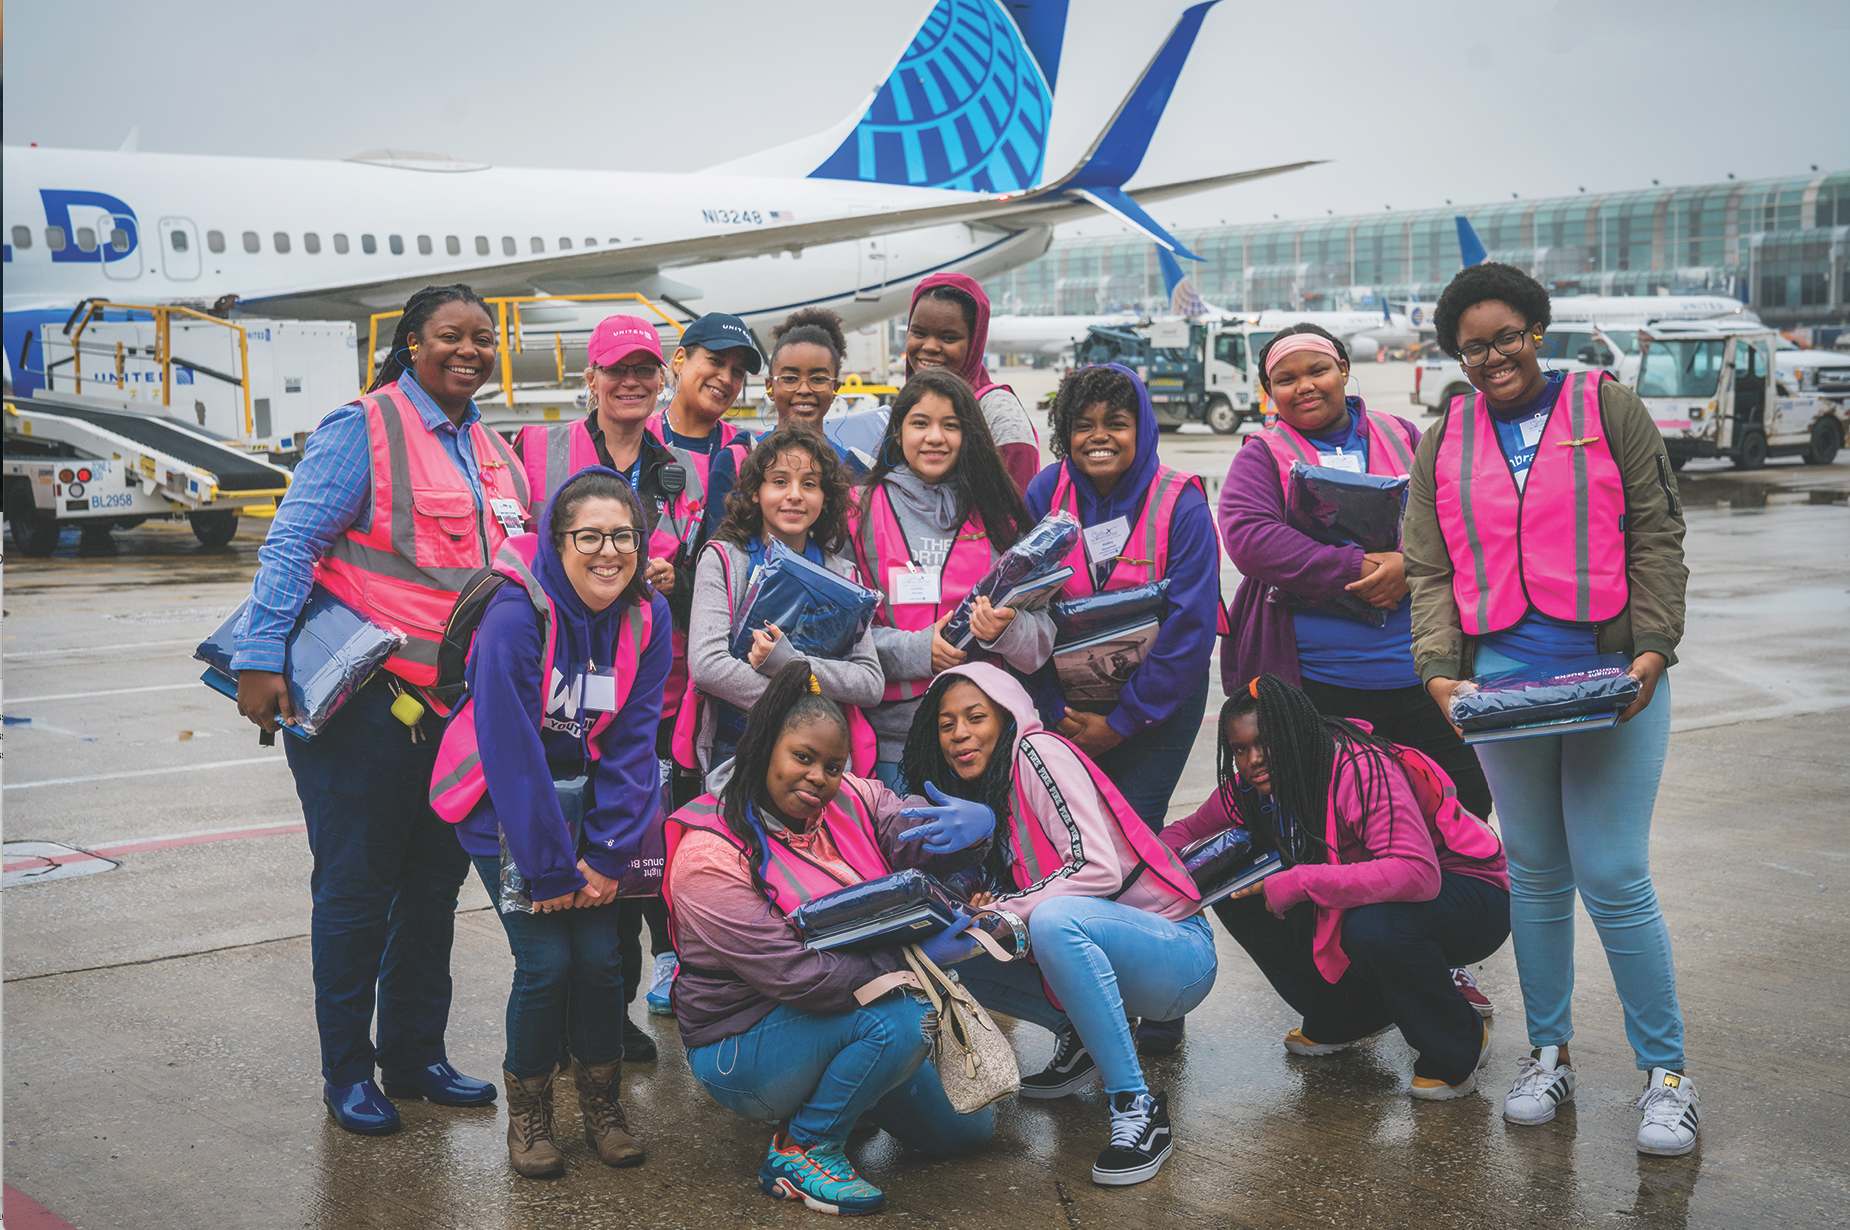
(1450, 825)
(1289, 445)
(793, 879)
(552, 453)
(1557, 545)
(457, 783)
(698, 464)
(427, 536)
(880, 546)
(863, 745)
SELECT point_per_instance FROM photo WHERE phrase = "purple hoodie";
(1185, 644)
(522, 754)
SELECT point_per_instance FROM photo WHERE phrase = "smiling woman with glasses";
(1543, 527)
(806, 359)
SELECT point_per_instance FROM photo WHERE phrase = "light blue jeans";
(1102, 959)
(823, 1071)
(1575, 811)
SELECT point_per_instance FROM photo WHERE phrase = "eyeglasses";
(818, 381)
(1471, 354)
(643, 372)
(591, 542)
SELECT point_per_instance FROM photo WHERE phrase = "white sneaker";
(1542, 1086)
(660, 985)
(1670, 1120)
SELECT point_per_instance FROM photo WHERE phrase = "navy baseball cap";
(717, 331)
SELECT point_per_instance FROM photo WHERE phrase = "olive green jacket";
(1657, 577)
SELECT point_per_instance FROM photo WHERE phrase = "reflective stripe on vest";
(457, 782)
(1288, 445)
(551, 453)
(1558, 544)
(1150, 535)
(427, 537)
(880, 546)
(792, 878)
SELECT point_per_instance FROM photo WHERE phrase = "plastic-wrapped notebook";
(1078, 618)
(330, 654)
(1041, 552)
(1225, 863)
(823, 614)
(1583, 694)
(1343, 508)
(1093, 671)
(902, 908)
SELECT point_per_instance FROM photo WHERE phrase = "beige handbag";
(974, 1060)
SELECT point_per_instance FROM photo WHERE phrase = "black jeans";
(1409, 717)
(1401, 956)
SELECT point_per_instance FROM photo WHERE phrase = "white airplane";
(1361, 333)
(941, 168)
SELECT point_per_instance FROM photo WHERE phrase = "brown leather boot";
(606, 1130)
(530, 1146)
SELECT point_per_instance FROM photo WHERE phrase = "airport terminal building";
(1779, 244)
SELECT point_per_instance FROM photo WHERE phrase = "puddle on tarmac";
(1730, 491)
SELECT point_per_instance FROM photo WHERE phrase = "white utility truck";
(1717, 390)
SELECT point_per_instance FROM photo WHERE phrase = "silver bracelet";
(1018, 928)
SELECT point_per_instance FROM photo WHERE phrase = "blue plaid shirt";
(332, 490)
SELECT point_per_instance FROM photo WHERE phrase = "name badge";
(508, 513)
(1105, 542)
(913, 585)
(601, 692)
(1351, 462)
(1532, 430)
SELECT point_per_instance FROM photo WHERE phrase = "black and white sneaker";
(1543, 1085)
(1670, 1119)
(1140, 1140)
(1069, 1069)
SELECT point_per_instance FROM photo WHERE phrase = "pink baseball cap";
(617, 338)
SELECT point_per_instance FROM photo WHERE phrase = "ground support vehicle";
(1715, 391)
(1196, 371)
(102, 465)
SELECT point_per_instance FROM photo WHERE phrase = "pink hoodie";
(1383, 855)
(1102, 844)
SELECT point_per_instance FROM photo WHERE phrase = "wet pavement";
(159, 1050)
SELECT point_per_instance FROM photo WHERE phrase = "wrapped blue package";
(1041, 551)
(823, 614)
(1580, 694)
(1226, 862)
(1342, 508)
(1077, 618)
(902, 908)
(857, 437)
(330, 654)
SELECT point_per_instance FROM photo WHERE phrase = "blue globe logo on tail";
(967, 107)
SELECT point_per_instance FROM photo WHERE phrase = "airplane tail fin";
(1470, 247)
(1184, 299)
(965, 106)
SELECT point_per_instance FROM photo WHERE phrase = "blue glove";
(953, 824)
(951, 944)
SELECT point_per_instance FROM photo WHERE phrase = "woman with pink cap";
(949, 327)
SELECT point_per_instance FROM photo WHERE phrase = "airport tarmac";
(160, 1065)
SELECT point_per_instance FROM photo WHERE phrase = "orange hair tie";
(1253, 688)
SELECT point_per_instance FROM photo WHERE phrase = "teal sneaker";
(822, 1178)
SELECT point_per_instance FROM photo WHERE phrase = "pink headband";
(1294, 342)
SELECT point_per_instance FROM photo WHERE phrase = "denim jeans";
(1101, 959)
(568, 981)
(384, 886)
(1401, 956)
(823, 1071)
(1146, 767)
(1407, 716)
(1575, 811)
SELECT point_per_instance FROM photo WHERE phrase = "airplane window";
(281, 239)
(177, 238)
(86, 239)
(565, 245)
(590, 243)
(368, 244)
(340, 242)
(215, 240)
(22, 237)
(452, 245)
(311, 242)
(251, 242)
(507, 245)
(423, 245)
(539, 245)
(54, 238)
(398, 244)
(118, 239)
(481, 245)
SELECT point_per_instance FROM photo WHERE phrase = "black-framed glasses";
(817, 381)
(1471, 354)
(590, 542)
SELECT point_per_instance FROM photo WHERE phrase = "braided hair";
(1301, 746)
(812, 326)
(788, 702)
(417, 313)
(923, 760)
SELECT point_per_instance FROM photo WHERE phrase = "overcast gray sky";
(1415, 102)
